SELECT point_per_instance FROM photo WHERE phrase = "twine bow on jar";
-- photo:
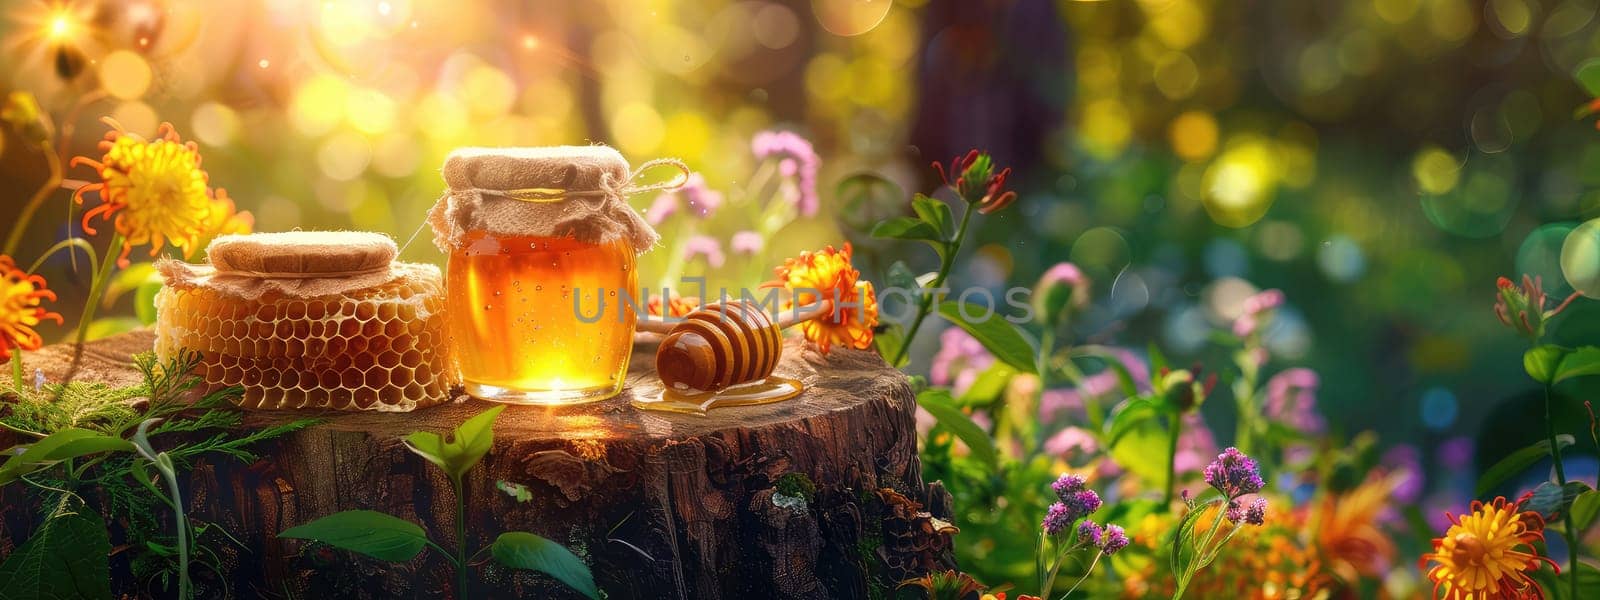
(523, 192)
(609, 186)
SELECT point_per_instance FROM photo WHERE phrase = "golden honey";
(541, 320)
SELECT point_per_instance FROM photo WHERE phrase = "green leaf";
(67, 443)
(103, 328)
(375, 534)
(1158, 361)
(867, 198)
(1113, 362)
(1518, 461)
(1142, 450)
(466, 446)
(1541, 362)
(1136, 412)
(1588, 76)
(1584, 509)
(938, 403)
(1577, 363)
(1551, 500)
(998, 336)
(901, 277)
(935, 213)
(906, 228)
(66, 558)
(523, 550)
(888, 342)
(129, 279)
(144, 301)
(1182, 553)
(989, 385)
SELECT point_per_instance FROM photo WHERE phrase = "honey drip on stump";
(696, 402)
(720, 355)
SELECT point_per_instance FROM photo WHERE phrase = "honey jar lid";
(562, 191)
(299, 254)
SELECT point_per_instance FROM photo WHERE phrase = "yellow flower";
(225, 219)
(21, 298)
(828, 275)
(1488, 554)
(153, 191)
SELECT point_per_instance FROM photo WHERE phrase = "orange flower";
(1479, 557)
(828, 275)
(21, 296)
(153, 192)
(1348, 535)
(677, 306)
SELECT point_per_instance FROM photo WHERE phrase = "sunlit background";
(1381, 161)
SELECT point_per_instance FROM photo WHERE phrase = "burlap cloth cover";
(560, 191)
(297, 264)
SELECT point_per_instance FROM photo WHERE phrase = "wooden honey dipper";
(721, 345)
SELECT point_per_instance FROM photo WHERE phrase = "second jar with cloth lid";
(541, 245)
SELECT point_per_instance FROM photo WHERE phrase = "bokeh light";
(1476, 203)
(850, 17)
(1580, 258)
(1241, 184)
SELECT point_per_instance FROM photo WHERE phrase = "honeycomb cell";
(377, 348)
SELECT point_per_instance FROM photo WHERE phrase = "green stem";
(925, 303)
(169, 475)
(102, 274)
(1038, 564)
(1245, 391)
(1200, 552)
(51, 184)
(1561, 479)
(461, 538)
(1085, 577)
(1173, 433)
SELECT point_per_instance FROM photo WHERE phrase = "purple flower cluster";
(1082, 503)
(1234, 474)
(1072, 493)
(800, 161)
(1254, 309)
(663, 206)
(1115, 539)
(959, 361)
(1075, 501)
(1068, 484)
(1257, 513)
(1292, 400)
(702, 199)
(1056, 519)
(1089, 533)
(1234, 513)
(747, 243)
(704, 246)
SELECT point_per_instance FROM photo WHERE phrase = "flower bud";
(21, 111)
(1062, 291)
(1521, 307)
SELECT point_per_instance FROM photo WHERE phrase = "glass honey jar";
(541, 245)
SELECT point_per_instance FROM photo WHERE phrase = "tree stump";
(659, 505)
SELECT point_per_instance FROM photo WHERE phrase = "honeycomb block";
(380, 348)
